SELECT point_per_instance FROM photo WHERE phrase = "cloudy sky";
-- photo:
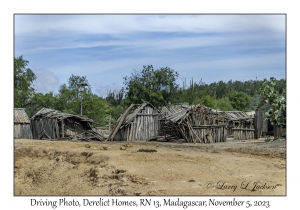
(105, 48)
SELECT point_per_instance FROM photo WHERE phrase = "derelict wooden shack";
(198, 124)
(21, 124)
(53, 124)
(264, 127)
(138, 122)
(240, 125)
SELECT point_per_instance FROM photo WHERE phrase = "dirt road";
(118, 168)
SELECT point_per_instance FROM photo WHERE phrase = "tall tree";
(115, 97)
(94, 107)
(23, 82)
(70, 96)
(40, 100)
(224, 104)
(239, 100)
(157, 86)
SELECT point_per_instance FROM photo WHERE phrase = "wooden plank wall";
(22, 131)
(206, 126)
(203, 125)
(260, 124)
(143, 127)
(45, 127)
(242, 130)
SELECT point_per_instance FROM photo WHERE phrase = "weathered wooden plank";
(111, 136)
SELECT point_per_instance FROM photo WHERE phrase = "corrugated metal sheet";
(20, 116)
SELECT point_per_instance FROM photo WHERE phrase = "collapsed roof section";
(47, 113)
(54, 124)
(202, 124)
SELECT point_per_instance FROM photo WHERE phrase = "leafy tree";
(69, 95)
(224, 104)
(40, 100)
(23, 83)
(276, 111)
(239, 100)
(115, 97)
(254, 102)
(93, 106)
(97, 108)
(206, 101)
(189, 94)
(155, 86)
(221, 89)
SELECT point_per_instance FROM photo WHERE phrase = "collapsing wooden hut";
(264, 127)
(205, 125)
(53, 124)
(138, 122)
(21, 124)
(240, 125)
(194, 124)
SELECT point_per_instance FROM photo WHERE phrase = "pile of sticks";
(197, 124)
(90, 135)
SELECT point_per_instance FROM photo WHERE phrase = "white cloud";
(155, 43)
(122, 48)
(39, 25)
(102, 90)
(46, 80)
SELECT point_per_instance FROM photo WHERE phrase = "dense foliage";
(275, 101)
(23, 83)
(157, 86)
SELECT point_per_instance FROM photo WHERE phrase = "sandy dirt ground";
(251, 167)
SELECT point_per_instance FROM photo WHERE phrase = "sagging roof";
(51, 113)
(174, 108)
(20, 116)
(235, 115)
(178, 112)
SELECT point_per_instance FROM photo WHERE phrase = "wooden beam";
(144, 114)
(112, 134)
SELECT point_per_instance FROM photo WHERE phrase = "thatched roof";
(51, 113)
(20, 116)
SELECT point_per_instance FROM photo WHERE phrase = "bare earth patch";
(252, 167)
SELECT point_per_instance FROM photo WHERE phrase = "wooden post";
(62, 128)
(112, 134)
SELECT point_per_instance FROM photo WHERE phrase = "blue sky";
(105, 48)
